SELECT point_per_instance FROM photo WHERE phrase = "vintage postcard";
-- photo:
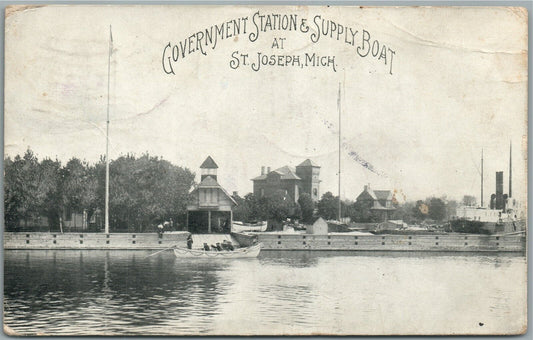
(265, 170)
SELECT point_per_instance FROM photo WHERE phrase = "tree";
(361, 212)
(278, 206)
(328, 206)
(405, 212)
(147, 190)
(451, 209)
(469, 201)
(244, 211)
(142, 190)
(420, 210)
(307, 207)
(437, 209)
(48, 195)
(31, 190)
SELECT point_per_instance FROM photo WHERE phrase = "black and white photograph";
(208, 170)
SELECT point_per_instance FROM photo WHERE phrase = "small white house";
(320, 227)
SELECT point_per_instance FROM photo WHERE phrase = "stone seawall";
(446, 242)
(272, 241)
(33, 240)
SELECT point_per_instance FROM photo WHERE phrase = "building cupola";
(208, 168)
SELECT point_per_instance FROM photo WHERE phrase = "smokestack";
(262, 170)
(499, 190)
(510, 169)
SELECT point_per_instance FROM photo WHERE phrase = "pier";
(446, 242)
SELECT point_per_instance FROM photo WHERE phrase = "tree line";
(143, 191)
(147, 190)
(278, 207)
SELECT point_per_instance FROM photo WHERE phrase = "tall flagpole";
(339, 108)
(107, 136)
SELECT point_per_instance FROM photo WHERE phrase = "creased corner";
(12, 9)
(9, 331)
(520, 12)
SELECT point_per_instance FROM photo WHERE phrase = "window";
(315, 192)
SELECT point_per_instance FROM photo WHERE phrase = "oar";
(157, 252)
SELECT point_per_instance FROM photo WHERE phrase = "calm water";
(124, 292)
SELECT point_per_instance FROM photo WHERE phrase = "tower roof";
(209, 163)
(309, 162)
(209, 182)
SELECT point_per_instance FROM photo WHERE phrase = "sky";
(457, 85)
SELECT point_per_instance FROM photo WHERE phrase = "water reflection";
(296, 292)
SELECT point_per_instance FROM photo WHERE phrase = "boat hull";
(249, 252)
(241, 227)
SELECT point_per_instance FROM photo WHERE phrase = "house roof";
(370, 192)
(382, 194)
(209, 182)
(209, 163)
(285, 172)
(309, 162)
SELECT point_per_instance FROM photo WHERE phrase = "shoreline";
(271, 241)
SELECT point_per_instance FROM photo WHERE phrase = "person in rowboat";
(227, 245)
(189, 241)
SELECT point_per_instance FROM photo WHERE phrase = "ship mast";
(339, 108)
(482, 177)
(510, 169)
(107, 136)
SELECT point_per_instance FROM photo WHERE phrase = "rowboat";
(238, 227)
(248, 252)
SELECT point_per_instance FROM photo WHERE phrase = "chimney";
(268, 170)
(366, 187)
(262, 170)
(235, 194)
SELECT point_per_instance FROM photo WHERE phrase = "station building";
(378, 202)
(210, 207)
(293, 181)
